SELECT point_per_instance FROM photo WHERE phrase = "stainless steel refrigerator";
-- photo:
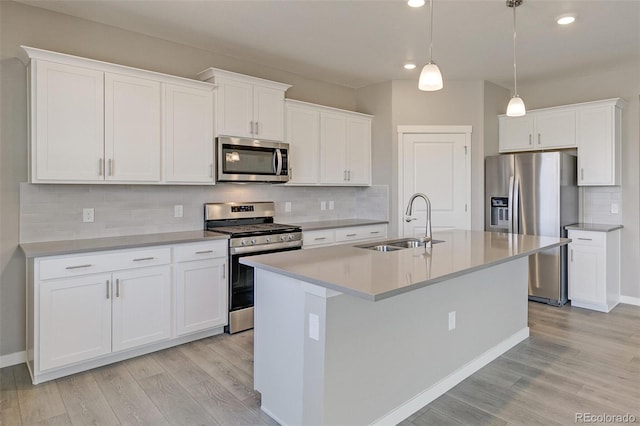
(535, 194)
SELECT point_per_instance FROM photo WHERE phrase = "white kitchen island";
(349, 336)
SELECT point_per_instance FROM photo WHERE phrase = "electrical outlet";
(287, 207)
(323, 205)
(331, 205)
(452, 320)
(314, 327)
(178, 210)
(88, 215)
(614, 208)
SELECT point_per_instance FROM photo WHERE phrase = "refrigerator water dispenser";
(500, 212)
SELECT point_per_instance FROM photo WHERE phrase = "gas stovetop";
(254, 229)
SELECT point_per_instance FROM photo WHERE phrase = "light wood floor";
(575, 361)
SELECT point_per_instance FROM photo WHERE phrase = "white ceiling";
(359, 42)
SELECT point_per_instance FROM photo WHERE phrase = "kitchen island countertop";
(377, 275)
(55, 248)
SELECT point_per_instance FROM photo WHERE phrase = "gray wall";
(26, 25)
(593, 84)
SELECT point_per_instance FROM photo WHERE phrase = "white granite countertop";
(596, 227)
(337, 223)
(54, 248)
(377, 275)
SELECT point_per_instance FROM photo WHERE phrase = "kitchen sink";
(397, 244)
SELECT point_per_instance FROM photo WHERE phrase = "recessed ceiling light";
(566, 19)
(415, 3)
(409, 66)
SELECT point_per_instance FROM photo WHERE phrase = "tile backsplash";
(54, 212)
(597, 205)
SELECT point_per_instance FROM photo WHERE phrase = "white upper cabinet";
(247, 107)
(303, 137)
(594, 128)
(328, 146)
(132, 142)
(95, 122)
(542, 129)
(188, 130)
(599, 134)
(67, 123)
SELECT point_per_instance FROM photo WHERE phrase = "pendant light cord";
(515, 80)
(431, 31)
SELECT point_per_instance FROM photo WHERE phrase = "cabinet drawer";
(198, 251)
(586, 238)
(61, 267)
(360, 233)
(315, 238)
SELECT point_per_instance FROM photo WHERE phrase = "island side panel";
(281, 346)
(380, 355)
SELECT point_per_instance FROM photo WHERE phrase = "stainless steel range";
(252, 232)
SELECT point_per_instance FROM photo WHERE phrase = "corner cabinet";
(594, 269)
(247, 107)
(594, 128)
(92, 309)
(329, 146)
(95, 122)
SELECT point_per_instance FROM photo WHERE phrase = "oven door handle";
(264, 250)
(277, 161)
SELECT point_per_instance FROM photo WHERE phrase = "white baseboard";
(13, 359)
(630, 300)
(428, 395)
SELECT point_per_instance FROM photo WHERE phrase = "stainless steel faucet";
(408, 218)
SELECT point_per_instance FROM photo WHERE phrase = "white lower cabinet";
(75, 320)
(594, 269)
(332, 236)
(201, 295)
(96, 308)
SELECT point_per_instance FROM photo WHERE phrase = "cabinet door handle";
(538, 138)
(572, 255)
(256, 127)
(110, 167)
(351, 235)
(585, 239)
(374, 232)
(211, 170)
(108, 290)
(100, 167)
(224, 273)
(349, 175)
(319, 238)
(581, 173)
(290, 173)
(117, 287)
(88, 265)
(204, 251)
(529, 138)
(251, 127)
(344, 173)
(140, 259)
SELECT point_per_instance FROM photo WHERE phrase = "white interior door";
(438, 165)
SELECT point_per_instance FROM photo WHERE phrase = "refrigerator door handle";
(516, 206)
(510, 209)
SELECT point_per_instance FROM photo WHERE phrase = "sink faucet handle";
(410, 219)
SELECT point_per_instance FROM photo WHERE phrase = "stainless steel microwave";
(251, 160)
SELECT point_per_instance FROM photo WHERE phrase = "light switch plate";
(178, 210)
(452, 320)
(323, 205)
(88, 215)
(331, 205)
(314, 327)
(614, 208)
(287, 207)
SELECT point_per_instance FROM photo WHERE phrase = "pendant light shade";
(516, 106)
(430, 77)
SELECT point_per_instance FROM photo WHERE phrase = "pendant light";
(430, 77)
(516, 105)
